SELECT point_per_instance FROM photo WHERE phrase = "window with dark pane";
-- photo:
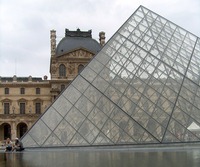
(6, 108)
(62, 70)
(38, 108)
(80, 68)
(22, 108)
(6, 91)
(22, 91)
(37, 91)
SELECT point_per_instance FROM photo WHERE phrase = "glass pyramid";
(142, 87)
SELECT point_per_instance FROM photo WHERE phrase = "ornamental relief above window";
(80, 54)
(71, 67)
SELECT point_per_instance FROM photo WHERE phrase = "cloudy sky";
(26, 24)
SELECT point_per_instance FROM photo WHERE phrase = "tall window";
(80, 68)
(6, 108)
(22, 91)
(62, 70)
(22, 108)
(38, 108)
(7, 91)
(37, 91)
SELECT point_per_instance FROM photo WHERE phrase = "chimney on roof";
(53, 42)
(102, 38)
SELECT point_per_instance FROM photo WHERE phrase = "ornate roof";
(74, 40)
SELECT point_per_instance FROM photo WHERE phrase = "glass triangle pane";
(72, 94)
(39, 132)
(78, 140)
(169, 137)
(102, 139)
(62, 105)
(181, 132)
(97, 117)
(75, 118)
(88, 131)
(80, 83)
(52, 141)
(28, 141)
(51, 115)
(65, 132)
(84, 105)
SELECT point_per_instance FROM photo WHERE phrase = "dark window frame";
(22, 107)
(38, 108)
(22, 91)
(6, 91)
(37, 91)
(80, 68)
(6, 108)
(62, 70)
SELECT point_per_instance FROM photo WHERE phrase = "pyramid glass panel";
(143, 87)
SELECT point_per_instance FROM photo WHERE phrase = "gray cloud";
(25, 26)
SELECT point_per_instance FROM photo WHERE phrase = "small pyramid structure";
(143, 87)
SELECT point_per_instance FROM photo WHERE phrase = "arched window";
(80, 68)
(21, 129)
(62, 70)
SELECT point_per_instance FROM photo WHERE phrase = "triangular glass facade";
(142, 87)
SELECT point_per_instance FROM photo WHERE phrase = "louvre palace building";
(141, 87)
(24, 99)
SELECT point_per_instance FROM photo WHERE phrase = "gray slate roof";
(68, 44)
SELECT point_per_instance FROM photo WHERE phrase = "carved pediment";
(80, 53)
(6, 100)
(22, 100)
(37, 100)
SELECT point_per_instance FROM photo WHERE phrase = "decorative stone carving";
(71, 68)
(80, 54)
(54, 67)
(53, 42)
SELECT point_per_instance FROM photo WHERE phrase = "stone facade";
(24, 99)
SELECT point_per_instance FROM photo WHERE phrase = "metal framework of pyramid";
(142, 87)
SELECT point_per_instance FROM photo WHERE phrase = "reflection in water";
(102, 158)
(10, 159)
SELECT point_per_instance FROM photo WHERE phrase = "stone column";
(53, 42)
(13, 130)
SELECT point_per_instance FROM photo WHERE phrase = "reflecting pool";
(83, 157)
